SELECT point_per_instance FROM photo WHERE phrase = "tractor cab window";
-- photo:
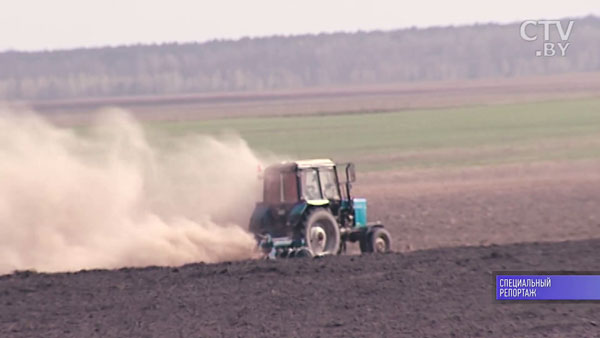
(310, 184)
(272, 188)
(289, 192)
(329, 184)
(280, 187)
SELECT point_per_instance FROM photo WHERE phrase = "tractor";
(308, 210)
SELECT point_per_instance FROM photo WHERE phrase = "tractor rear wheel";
(377, 240)
(322, 233)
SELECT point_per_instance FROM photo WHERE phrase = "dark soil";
(440, 292)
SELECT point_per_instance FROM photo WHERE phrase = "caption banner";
(567, 287)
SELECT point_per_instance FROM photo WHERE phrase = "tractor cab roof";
(323, 162)
(302, 164)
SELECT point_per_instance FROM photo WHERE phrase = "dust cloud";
(110, 195)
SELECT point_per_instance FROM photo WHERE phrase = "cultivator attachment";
(283, 247)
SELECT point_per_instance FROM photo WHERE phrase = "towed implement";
(308, 210)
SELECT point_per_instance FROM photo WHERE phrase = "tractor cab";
(294, 192)
(314, 182)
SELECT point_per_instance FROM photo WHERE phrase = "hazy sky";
(58, 24)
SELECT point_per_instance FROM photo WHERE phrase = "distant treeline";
(441, 53)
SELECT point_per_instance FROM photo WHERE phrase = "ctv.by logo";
(549, 48)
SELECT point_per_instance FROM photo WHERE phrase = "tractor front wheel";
(377, 240)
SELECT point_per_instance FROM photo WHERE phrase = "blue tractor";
(308, 210)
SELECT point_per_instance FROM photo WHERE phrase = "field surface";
(332, 100)
(469, 180)
(462, 219)
(434, 293)
(479, 135)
